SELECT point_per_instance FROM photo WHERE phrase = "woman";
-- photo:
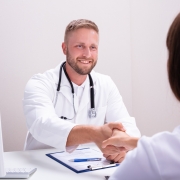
(156, 157)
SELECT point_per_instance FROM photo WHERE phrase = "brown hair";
(173, 45)
(77, 24)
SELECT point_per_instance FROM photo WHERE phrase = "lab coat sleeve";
(42, 121)
(154, 158)
(116, 111)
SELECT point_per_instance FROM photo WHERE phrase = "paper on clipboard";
(78, 167)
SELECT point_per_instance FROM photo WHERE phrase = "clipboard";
(80, 167)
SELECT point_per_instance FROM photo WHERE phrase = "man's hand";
(121, 142)
(104, 132)
(81, 134)
(110, 145)
(118, 157)
(111, 152)
(114, 153)
(107, 129)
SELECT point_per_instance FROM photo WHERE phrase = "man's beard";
(74, 64)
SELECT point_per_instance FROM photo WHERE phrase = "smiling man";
(71, 104)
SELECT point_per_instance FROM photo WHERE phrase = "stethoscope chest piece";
(92, 113)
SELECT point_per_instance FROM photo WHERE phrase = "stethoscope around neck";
(92, 111)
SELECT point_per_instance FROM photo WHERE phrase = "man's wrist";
(95, 134)
(81, 134)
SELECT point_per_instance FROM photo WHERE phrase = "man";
(59, 104)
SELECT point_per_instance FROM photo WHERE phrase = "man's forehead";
(84, 43)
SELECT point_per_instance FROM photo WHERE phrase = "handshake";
(111, 138)
(114, 142)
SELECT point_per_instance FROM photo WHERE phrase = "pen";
(85, 159)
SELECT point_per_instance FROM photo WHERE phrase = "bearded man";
(72, 104)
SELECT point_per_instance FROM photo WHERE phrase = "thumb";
(105, 143)
(117, 125)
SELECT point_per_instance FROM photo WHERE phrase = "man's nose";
(87, 53)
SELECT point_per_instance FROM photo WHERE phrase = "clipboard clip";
(101, 167)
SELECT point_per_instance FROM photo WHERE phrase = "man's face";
(81, 50)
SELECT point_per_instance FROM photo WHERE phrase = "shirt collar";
(65, 82)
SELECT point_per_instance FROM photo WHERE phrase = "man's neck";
(74, 76)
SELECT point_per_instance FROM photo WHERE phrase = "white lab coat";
(45, 127)
(155, 158)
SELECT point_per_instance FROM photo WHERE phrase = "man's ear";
(64, 48)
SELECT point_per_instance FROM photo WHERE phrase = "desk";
(48, 169)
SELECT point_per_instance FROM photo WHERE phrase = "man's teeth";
(85, 62)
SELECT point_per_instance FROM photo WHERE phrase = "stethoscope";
(92, 111)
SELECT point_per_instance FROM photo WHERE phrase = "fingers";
(111, 141)
(122, 149)
(105, 143)
(119, 158)
(116, 157)
(116, 125)
(111, 150)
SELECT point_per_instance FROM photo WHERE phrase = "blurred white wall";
(132, 51)
(154, 105)
(31, 34)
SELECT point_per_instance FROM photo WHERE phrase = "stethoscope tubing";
(72, 90)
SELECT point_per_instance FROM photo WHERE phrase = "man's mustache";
(85, 59)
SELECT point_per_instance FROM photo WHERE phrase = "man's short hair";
(77, 24)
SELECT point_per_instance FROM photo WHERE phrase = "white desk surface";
(47, 168)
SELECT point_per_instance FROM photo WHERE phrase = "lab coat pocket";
(100, 116)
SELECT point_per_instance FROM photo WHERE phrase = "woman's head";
(173, 45)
